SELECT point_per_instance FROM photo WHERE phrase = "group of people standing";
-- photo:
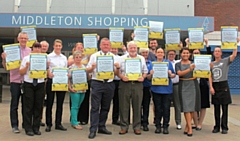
(189, 94)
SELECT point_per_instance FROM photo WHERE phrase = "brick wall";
(225, 12)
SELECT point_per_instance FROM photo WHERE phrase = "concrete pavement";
(71, 134)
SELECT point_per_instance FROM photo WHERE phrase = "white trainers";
(179, 127)
(15, 130)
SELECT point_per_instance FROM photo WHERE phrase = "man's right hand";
(4, 55)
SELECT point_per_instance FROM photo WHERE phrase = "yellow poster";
(172, 39)
(133, 68)
(60, 79)
(196, 38)
(202, 66)
(160, 75)
(32, 34)
(90, 43)
(155, 30)
(79, 79)
(38, 65)
(105, 66)
(13, 57)
(229, 36)
(141, 36)
(116, 37)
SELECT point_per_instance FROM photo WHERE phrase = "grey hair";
(77, 53)
(22, 32)
(143, 49)
(131, 43)
(42, 42)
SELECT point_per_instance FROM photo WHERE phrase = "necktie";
(35, 82)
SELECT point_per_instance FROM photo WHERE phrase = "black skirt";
(222, 93)
(204, 88)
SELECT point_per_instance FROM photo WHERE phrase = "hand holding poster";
(116, 37)
(141, 36)
(172, 39)
(160, 75)
(202, 66)
(133, 68)
(155, 30)
(105, 67)
(60, 79)
(229, 37)
(38, 65)
(13, 58)
(79, 79)
(32, 34)
(196, 38)
(90, 43)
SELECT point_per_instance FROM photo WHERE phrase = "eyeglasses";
(171, 54)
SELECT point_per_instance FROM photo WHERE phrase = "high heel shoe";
(189, 135)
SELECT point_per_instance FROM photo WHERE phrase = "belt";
(132, 82)
(104, 81)
(193, 78)
(175, 83)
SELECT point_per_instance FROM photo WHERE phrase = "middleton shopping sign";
(102, 21)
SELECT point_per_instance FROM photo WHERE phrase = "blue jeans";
(162, 103)
(76, 99)
(15, 96)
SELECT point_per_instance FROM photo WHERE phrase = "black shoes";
(104, 131)
(83, 123)
(37, 132)
(158, 131)
(224, 131)
(48, 129)
(42, 124)
(92, 135)
(60, 127)
(215, 130)
(165, 131)
(116, 123)
(145, 128)
(29, 133)
(198, 129)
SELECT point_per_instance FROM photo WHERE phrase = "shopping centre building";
(68, 20)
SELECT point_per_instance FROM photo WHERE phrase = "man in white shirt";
(102, 92)
(56, 59)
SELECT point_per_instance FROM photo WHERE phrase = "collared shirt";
(176, 78)
(147, 82)
(26, 75)
(57, 61)
(122, 64)
(93, 59)
(14, 74)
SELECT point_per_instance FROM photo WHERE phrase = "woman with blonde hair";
(76, 96)
(83, 114)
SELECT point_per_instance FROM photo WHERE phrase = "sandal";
(78, 127)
